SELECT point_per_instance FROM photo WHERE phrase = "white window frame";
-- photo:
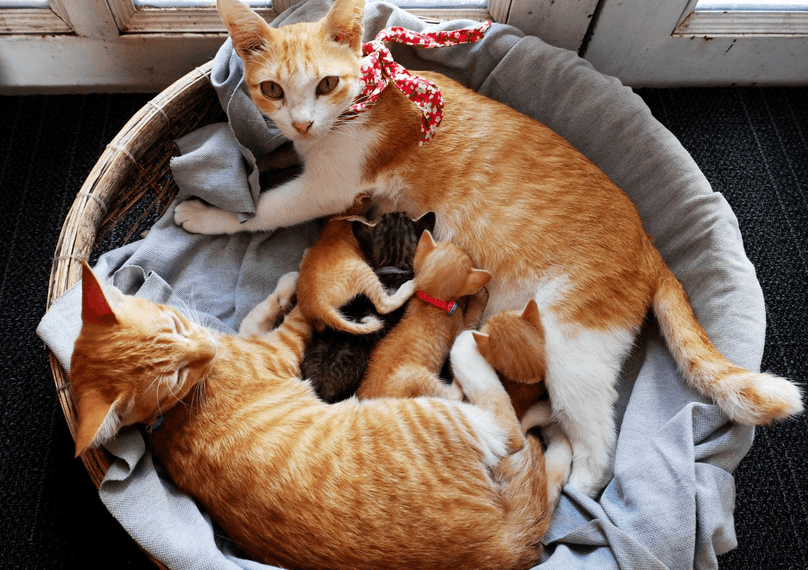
(717, 23)
(53, 20)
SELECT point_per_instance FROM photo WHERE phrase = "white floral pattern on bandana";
(379, 69)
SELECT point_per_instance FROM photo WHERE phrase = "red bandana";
(378, 69)
(448, 306)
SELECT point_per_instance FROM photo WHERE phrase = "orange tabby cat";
(393, 483)
(406, 362)
(513, 343)
(540, 216)
(332, 272)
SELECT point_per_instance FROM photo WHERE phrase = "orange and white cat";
(407, 362)
(540, 216)
(393, 483)
(333, 271)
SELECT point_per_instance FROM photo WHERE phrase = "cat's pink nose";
(302, 127)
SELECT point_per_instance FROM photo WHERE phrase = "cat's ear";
(426, 223)
(426, 243)
(247, 29)
(531, 314)
(476, 280)
(95, 307)
(344, 23)
(482, 340)
(362, 229)
(98, 421)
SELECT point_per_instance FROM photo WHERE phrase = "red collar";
(379, 69)
(448, 306)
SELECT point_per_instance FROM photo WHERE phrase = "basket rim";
(81, 224)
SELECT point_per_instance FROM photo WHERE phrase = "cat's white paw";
(590, 473)
(471, 370)
(286, 288)
(197, 217)
(539, 414)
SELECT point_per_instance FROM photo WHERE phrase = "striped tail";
(746, 397)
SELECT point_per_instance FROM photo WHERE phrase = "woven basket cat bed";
(671, 500)
(129, 185)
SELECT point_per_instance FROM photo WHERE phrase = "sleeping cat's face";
(302, 76)
(133, 360)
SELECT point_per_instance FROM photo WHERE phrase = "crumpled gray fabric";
(670, 504)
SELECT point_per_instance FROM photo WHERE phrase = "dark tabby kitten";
(335, 361)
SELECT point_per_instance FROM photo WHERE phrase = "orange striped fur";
(332, 272)
(519, 199)
(384, 483)
(513, 343)
(407, 362)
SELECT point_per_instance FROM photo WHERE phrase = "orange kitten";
(333, 271)
(539, 215)
(406, 362)
(513, 343)
(393, 483)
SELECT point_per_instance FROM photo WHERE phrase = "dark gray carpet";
(752, 144)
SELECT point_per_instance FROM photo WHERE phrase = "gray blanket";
(670, 504)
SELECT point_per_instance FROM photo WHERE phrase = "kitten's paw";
(197, 217)
(265, 315)
(393, 302)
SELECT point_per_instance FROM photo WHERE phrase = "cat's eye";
(177, 324)
(327, 85)
(271, 90)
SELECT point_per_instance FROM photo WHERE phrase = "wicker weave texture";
(127, 189)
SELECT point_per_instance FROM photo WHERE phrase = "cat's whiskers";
(188, 308)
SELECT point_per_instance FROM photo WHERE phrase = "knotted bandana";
(379, 69)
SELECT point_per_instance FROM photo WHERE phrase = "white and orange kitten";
(540, 216)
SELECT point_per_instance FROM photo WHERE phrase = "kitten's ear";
(476, 280)
(95, 307)
(247, 29)
(531, 314)
(363, 233)
(344, 23)
(482, 340)
(426, 223)
(426, 243)
(98, 421)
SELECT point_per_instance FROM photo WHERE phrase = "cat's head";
(513, 343)
(301, 76)
(391, 240)
(445, 271)
(132, 361)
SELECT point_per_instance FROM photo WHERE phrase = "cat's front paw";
(471, 370)
(197, 217)
(286, 288)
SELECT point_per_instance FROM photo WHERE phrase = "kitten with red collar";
(449, 299)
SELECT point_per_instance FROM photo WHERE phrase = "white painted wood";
(74, 64)
(202, 19)
(713, 23)
(562, 23)
(81, 45)
(635, 40)
(32, 21)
